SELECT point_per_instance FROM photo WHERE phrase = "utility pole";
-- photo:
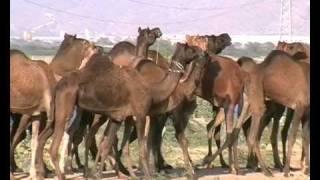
(286, 20)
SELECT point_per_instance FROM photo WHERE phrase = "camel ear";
(66, 35)
(139, 29)
(188, 38)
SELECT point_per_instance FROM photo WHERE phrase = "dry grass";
(196, 134)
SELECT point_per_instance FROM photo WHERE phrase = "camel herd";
(84, 87)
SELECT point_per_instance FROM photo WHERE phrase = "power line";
(191, 9)
(134, 23)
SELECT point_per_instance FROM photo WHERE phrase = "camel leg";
(125, 145)
(209, 136)
(180, 123)
(90, 139)
(156, 133)
(306, 144)
(43, 137)
(214, 124)
(142, 132)
(24, 122)
(64, 109)
(217, 138)
(34, 146)
(252, 161)
(284, 132)
(274, 143)
(13, 129)
(298, 113)
(106, 145)
(229, 111)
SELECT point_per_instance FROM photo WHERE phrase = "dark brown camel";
(183, 92)
(217, 43)
(124, 93)
(124, 54)
(73, 53)
(223, 89)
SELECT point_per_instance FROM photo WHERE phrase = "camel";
(216, 44)
(277, 59)
(124, 93)
(292, 93)
(222, 86)
(299, 51)
(31, 94)
(124, 54)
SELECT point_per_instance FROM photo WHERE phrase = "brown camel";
(222, 86)
(124, 54)
(217, 43)
(33, 92)
(299, 51)
(286, 86)
(31, 86)
(124, 93)
(273, 110)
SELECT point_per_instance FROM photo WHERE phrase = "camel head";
(296, 49)
(218, 43)
(210, 43)
(148, 36)
(186, 55)
(199, 41)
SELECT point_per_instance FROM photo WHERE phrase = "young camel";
(124, 93)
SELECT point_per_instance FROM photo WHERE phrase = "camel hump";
(139, 61)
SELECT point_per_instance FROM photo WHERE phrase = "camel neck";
(67, 62)
(142, 49)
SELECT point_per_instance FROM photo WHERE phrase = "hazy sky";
(123, 17)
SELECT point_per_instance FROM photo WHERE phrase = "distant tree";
(104, 41)
(164, 46)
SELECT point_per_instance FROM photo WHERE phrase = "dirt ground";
(203, 174)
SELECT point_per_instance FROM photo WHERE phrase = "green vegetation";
(165, 47)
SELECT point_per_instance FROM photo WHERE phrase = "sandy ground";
(203, 174)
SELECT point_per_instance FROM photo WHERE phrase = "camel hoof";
(165, 166)
(234, 171)
(223, 163)
(306, 171)
(192, 177)
(17, 169)
(278, 166)
(207, 160)
(268, 173)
